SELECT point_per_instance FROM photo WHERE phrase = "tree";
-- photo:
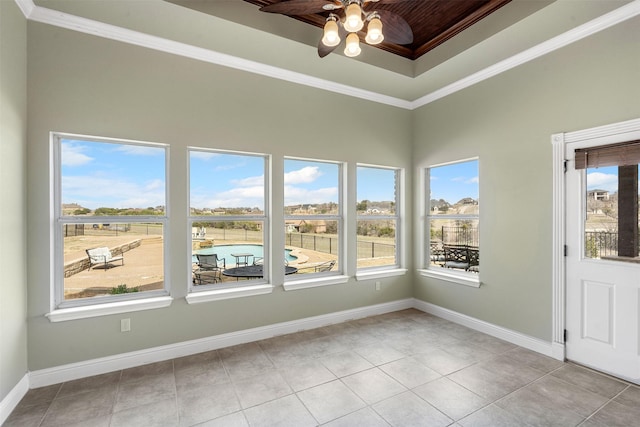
(362, 206)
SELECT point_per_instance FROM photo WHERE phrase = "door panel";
(602, 296)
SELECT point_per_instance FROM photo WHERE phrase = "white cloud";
(250, 181)
(602, 181)
(140, 150)
(203, 155)
(243, 197)
(473, 180)
(72, 155)
(93, 192)
(305, 175)
(298, 196)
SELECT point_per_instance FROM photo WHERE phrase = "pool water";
(225, 251)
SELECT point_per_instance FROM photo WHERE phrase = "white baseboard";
(103, 365)
(11, 400)
(505, 334)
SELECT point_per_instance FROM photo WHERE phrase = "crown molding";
(75, 23)
(594, 26)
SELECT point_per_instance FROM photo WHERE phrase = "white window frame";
(312, 280)
(63, 310)
(387, 270)
(449, 275)
(217, 292)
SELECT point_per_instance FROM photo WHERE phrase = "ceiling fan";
(346, 18)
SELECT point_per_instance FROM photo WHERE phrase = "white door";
(602, 295)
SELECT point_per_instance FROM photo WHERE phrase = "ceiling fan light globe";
(352, 46)
(331, 36)
(374, 32)
(353, 20)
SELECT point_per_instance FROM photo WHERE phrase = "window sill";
(380, 274)
(228, 293)
(96, 310)
(466, 279)
(294, 285)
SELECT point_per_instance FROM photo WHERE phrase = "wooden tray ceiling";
(433, 21)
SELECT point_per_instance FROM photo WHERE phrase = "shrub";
(122, 289)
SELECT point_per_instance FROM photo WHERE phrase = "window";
(110, 199)
(611, 220)
(378, 217)
(453, 218)
(313, 216)
(228, 221)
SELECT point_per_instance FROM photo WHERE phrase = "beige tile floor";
(401, 369)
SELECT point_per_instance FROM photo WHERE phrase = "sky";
(376, 184)
(100, 174)
(455, 181)
(97, 174)
(604, 178)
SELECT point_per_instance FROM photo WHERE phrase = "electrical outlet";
(125, 325)
(377, 286)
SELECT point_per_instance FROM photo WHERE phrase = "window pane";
(376, 199)
(110, 259)
(454, 244)
(226, 184)
(99, 178)
(452, 219)
(454, 189)
(376, 243)
(311, 188)
(224, 252)
(376, 191)
(315, 245)
(611, 203)
(312, 214)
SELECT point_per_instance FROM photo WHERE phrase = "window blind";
(621, 154)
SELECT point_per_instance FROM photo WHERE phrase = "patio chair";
(436, 253)
(209, 269)
(474, 259)
(102, 256)
(210, 261)
(456, 256)
(325, 266)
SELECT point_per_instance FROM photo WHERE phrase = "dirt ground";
(143, 266)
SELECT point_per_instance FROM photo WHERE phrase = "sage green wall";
(507, 122)
(13, 225)
(89, 85)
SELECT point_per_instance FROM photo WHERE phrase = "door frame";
(617, 132)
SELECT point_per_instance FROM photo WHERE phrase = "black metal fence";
(329, 245)
(600, 243)
(314, 242)
(462, 235)
(71, 230)
(375, 249)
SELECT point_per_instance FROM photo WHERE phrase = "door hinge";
(565, 250)
(565, 335)
(565, 166)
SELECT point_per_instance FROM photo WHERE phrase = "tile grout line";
(604, 404)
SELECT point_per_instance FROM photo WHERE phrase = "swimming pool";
(225, 251)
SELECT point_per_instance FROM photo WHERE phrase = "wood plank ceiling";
(433, 21)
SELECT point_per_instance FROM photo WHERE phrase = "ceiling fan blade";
(297, 7)
(324, 50)
(395, 28)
